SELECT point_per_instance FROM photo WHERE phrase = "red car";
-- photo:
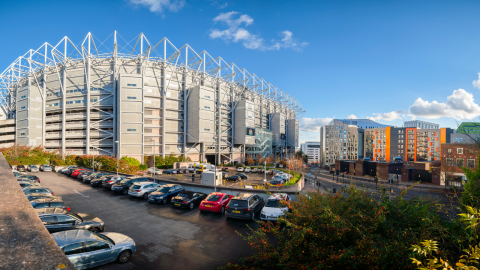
(77, 172)
(215, 202)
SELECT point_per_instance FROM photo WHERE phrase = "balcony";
(77, 124)
(55, 126)
(53, 135)
(7, 138)
(53, 143)
(75, 134)
(75, 143)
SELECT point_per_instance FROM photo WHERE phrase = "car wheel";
(191, 205)
(165, 200)
(253, 216)
(124, 256)
(222, 211)
(145, 196)
(125, 192)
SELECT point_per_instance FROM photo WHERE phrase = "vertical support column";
(219, 120)
(143, 112)
(232, 105)
(64, 100)
(87, 82)
(185, 108)
(44, 91)
(164, 101)
(116, 122)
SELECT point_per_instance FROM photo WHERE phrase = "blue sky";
(387, 60)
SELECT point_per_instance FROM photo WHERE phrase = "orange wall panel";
(387, 146)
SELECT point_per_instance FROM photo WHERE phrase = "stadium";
(136, 98)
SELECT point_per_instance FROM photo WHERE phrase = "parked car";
(243, 176)
(29, 177)
(276, 183)
(188, 199)
(142, 189)
(244, 206)
(83, 174)
(36, 196)
(215, 202)
(274, 208)
(169, 171)
(86, 179)
(45, 168)
(248, 170)
(234, 178)
(66, 169)
(49, 202)
(21, 168)
(123, 186)
(279, 178)
(154, 170)
(97, 182)
(254, 170)
(33, 168)
(35, 189)
(76, 172)
(224, 175)
(27, 183)
(16, 173)
(165, 193)
(240, 169)
(72, 170)
(268, 172)
(59, 219)
(86, 249)
(224, 169)
(109, 181)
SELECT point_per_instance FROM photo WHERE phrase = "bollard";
(334, 190)
(193, 177)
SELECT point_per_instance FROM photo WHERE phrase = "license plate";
(234, 211)
(150, 200)
(133, 191)
(177, 204)
(207, 205)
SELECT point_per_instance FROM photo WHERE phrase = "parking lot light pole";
(265, 171)
(154, 167)
(117, 156)
(93, 156)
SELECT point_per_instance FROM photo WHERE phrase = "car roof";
(242, 196)
(144, 183)
(32, 187)
(50, 210)
(72, 236)
(217, 193)
(169, 185)
(44, 200)
(278, 196)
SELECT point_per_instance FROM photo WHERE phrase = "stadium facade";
(135, 98)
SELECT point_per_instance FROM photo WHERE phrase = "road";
(166, 238)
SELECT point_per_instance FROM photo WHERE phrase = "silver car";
(142, 189)
(33, 168)
(87, 249)
(35, 189)
(26, 183)
(45, 168)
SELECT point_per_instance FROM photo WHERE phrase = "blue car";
(169, 171)
(165, 193)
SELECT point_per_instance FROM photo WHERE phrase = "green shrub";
(131, 161)
(143, 167)
(239, 165)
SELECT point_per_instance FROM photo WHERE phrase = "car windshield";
(275, 182)
(273, 203)
(238, 203)
(163, 189)
(182, 195)
(213, 198)
(104, 238)
(46, 166)
(33, 166)
(124, 181)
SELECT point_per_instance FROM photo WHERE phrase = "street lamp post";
(93, 157)
(215, 177)
(265, 171)
(117, 156)
(154, 167)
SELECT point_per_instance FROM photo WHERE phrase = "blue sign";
(309, 175)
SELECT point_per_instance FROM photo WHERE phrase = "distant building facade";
(421, 124)
(313, 151)
(469, 128)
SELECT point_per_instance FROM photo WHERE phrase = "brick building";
(454, 157)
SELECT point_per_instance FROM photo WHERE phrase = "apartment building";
(421, 124)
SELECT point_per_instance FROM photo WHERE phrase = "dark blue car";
(165, 193)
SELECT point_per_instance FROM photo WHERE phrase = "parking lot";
(166, 237)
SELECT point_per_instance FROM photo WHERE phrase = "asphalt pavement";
(166, 238)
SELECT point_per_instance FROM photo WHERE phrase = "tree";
(299, 154)
(269, 160)
(259, 158)
(471, 194)
(250, 161)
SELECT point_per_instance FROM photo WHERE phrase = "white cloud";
(389, 116)
(218, 4)
(352, 116)
(476, 83)
(158, 6)
(237, 33)
(313, 124)
(459, 105)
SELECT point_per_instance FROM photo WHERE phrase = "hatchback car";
(123, 186)
(66, 169)
(244, 206)
(95, 175)
(165, 193)
(240, 169)
(21, 168)
(188, 199)
(254, 170)
(109, 181)
(36, 196)
(97, 182)
(243, 176)
(142, 189)
(27, 183)
(224, 169)
(45, 168)
(215, 202)
(29, 177)
(43, 190)
(279, 178)
(233, 178)
(248, 170)
(59, 219)
(274, 207)
(170, 171)
(76, 172)
(87, 249)
(33, 168)
(154, 170)
(83, 174)
(49, 202)
(275, 183)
